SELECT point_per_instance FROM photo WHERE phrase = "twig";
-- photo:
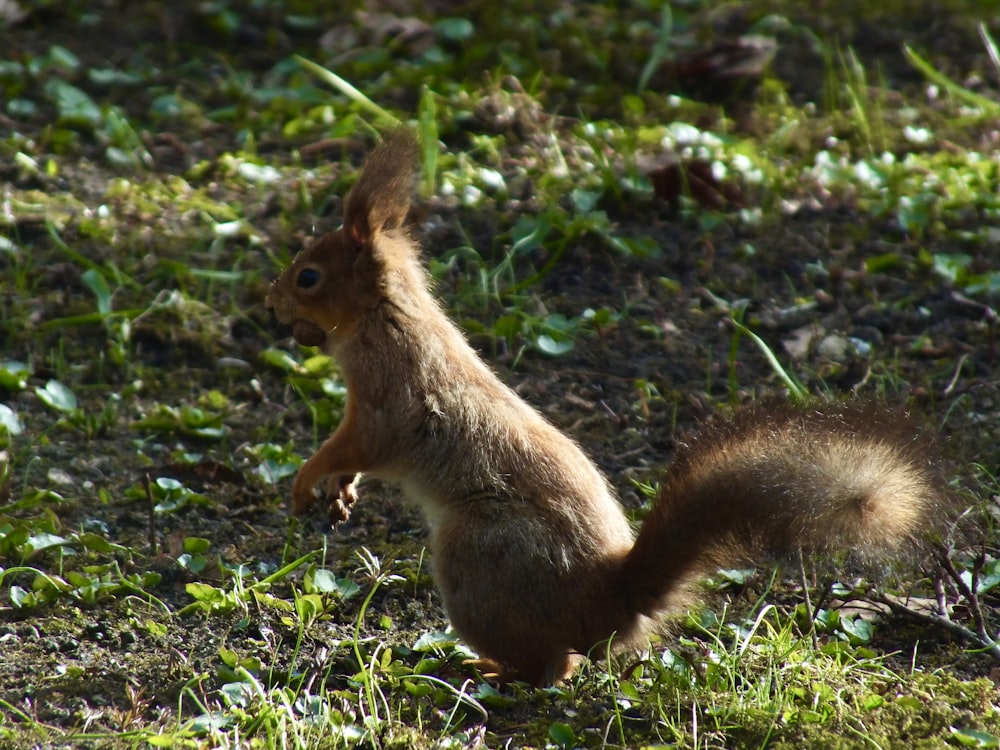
(979, 637)
(968, 592)
(954, 378)
(988, 645)
(941, 596)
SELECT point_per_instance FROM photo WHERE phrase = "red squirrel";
(533, 555)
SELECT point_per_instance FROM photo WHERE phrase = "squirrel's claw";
(342, 493)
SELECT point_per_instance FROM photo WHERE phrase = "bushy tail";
(776, 480)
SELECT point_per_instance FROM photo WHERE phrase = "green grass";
(153, 592)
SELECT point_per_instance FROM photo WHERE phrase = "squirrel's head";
(333, 282)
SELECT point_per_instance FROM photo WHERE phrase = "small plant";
(190, 420)
(273, 462)
(168, 495)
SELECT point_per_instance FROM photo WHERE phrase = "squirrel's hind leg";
(526, 599)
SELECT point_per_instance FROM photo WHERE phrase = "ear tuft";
(380, 199)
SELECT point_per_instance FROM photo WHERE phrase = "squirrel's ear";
(380, 199)
(358, 231)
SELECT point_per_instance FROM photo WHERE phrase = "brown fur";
(531, 551)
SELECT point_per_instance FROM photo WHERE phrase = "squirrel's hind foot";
(534, 674)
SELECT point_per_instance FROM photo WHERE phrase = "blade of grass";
(659, 49)
(857, 92)
(285, 570)
(427, 125)
(991, 46)
(348, 90)
(988, 106)
(795, 388)
(87, 319)
(60, 244)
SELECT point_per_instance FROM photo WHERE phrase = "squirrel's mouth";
(308, 333)
(283, 312)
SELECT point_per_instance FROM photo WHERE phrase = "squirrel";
(531, 551)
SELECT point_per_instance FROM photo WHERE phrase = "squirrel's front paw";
(341, 494)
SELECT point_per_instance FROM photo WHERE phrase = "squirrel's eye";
(307, 277)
